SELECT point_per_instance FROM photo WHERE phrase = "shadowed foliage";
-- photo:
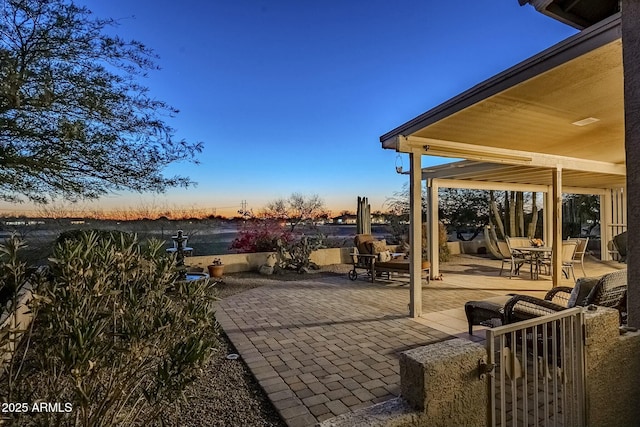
(74, 120)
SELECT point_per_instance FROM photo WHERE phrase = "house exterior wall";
(631, 62)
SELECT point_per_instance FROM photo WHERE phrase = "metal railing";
(538, 375)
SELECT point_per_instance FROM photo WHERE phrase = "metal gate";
(538, 379)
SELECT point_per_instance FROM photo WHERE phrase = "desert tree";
(75, 120)
(295, 209)
(463, 209)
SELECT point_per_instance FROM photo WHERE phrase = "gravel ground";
(226, 394)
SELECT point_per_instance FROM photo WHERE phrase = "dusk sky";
(293, 95)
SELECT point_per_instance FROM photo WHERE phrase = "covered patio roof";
(555, 120)
(532, 111)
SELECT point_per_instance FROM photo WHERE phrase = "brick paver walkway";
(322, 347)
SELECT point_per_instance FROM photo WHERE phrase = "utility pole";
(243, 210)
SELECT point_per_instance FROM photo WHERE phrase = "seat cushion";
(360, 242)
(496, 303)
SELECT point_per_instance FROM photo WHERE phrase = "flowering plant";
(537, 242)
(216, 261)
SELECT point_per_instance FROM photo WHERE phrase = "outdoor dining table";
(536, 253)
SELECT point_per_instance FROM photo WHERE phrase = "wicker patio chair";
(609, 290)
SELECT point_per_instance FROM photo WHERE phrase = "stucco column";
(631, 65)
(429, 249)
(557, 225)
(605, 228)
(415, 234)
(548, 216)
(434, 227)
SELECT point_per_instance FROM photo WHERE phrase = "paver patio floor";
(322, 346)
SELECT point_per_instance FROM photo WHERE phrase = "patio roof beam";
(453, 149)
(509, 186)
(486, 185)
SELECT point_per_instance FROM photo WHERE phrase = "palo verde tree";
(75, 122)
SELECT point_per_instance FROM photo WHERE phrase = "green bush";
(296, 254)
(13, 272)
(116, 335)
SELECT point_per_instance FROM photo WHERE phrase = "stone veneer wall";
(612, 371)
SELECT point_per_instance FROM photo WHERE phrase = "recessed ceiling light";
(586, 121)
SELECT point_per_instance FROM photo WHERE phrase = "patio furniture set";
(609, 290)
(376, 259)
(517, 251)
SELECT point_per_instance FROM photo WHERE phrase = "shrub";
(296, 254)
(116, 335)
(112, 236)
(13, 272)
(260, 236)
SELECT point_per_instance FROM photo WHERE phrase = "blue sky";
(293, 95)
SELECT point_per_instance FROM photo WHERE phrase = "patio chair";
(609, 290)
(568, 255)
(509, 257)
(581, 249)
(520, 258)
(374, 257)
(569, 248)
(620, 243)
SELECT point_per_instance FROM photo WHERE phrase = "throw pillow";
(378, 246)
(384, 256)
(581, 290)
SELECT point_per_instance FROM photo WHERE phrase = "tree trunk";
(496, 214)
(512, 214)
(520, 212)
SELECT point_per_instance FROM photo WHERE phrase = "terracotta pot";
(215, 270)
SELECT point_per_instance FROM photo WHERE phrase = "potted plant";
(216, 268)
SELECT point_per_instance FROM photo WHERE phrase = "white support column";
(415, 234)
(548, 216)
(428, 220)
(557, 225)
(434, 229)
(605, 225)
